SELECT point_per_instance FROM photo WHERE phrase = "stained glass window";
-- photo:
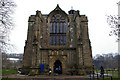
(57, 27)
(50, 40)
(51, 27)
(53, 41)
(64, 28)
(61, 27)
(57, 30)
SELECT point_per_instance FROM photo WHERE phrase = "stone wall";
(77, 52)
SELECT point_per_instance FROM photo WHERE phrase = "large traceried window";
(57, 30)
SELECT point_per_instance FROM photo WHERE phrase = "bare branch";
(6, 23)
(113, 23)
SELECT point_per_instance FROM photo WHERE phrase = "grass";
(107, 72)
(106, 78)
(109, 78)
(11, 79)
(9, 71)
(111, 72)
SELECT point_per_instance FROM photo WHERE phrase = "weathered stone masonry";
(56, 39)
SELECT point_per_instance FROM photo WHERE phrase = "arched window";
(57, 30)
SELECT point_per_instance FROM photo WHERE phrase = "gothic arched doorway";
(58, 67)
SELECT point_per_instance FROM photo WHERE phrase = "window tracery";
(57, 30)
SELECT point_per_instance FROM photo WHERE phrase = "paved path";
(51, 77)
(42, 76)
(46, 77)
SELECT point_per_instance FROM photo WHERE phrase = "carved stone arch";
(53, 59)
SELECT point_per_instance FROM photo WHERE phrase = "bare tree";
(109, 61)
(115, 26)
(6, 22)
(113, 23)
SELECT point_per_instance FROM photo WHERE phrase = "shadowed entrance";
(58, 67)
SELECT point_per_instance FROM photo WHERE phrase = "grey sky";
(95, 10)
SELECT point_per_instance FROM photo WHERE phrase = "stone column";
(80, 54)
(80, 59)
(35, 48)
(34, 68)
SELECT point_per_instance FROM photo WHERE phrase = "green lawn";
(107, 72)
(109, 78)
(9, 71)
(111, 72)
(11, 79)
(106, 78)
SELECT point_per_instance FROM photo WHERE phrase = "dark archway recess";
(58, 67)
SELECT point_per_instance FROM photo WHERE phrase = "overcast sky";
(96, 10)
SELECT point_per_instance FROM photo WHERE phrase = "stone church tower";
(57, 40)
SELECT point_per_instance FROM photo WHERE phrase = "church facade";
(57, 40)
